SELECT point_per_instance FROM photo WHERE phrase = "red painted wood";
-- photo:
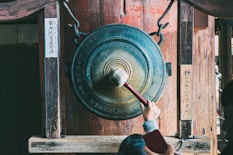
(91, 15)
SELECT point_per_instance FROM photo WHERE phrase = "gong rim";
(123, 46)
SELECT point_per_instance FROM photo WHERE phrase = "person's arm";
(150, 115)
(149, 126)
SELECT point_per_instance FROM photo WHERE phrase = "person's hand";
(151, 112)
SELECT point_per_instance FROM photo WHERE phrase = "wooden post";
(52, 68)
(110, 143)
(185, 73)
(225, 54)
(186, 13)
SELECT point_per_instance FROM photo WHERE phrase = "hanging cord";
(162, 26)
(75, 26)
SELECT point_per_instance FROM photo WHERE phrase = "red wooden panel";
(139, 13)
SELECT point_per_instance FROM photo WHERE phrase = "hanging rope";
(75, 26)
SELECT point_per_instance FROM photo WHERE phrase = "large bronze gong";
(124, 46)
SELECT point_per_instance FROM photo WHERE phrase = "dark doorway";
(20, 101)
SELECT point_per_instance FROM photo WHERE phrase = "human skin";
(152, 112)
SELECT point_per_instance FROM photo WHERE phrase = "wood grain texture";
(92, 14)
(52, 73)
(142, 14)
(106, 144)
(204, 101)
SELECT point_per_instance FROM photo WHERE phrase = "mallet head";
(118, 77)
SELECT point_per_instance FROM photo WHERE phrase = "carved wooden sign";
(51, 36)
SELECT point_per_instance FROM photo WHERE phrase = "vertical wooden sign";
(52, 70)
(51, 37)
(186, 91)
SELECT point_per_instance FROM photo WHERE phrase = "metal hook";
(65, 3)
(162, 26)
(76, 25)
(160, 35)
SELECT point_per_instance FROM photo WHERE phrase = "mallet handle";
(139, 96)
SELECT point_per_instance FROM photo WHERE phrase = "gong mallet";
(154, 140)
(119, 78)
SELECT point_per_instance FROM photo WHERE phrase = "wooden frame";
(53, 142)
(96, 143)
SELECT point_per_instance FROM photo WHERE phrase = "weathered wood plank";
(186, 33)
(186, 101)
(52, 71)
(185, 69)
(186, 78)
(105, 144)
(204, 101)
(169, 99)
(21, 8)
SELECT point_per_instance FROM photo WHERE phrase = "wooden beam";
(21, 8)
(106, 144)
(52, 70)
(215, 8)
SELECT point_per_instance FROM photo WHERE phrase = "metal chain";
(162, 26)
(74, 26)
(77, 24)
